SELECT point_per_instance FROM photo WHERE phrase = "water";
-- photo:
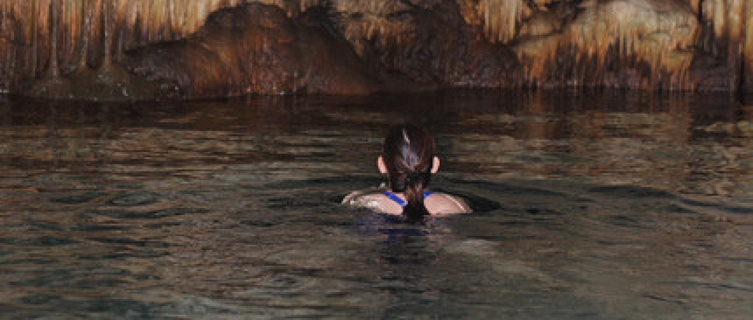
(609, 205)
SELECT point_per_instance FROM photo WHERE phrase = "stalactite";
(5, 52)
(734, 50)
(719, 17)
(748, 44)
(732, 36)
(606, 32)
(581, 47)
(502, 17)
(160, 20)
(53, 68)
(107, 31)
(695, 5)
(85, 22)
(34, 38)
(373, 25)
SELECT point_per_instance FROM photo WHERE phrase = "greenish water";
(588, 206)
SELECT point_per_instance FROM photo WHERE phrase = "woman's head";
(408, 159)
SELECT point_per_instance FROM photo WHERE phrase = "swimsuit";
(401, 202)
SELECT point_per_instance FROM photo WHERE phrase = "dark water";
(588, 206)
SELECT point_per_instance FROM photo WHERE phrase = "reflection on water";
(605, 205)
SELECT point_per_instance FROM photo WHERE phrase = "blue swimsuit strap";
(399, 201)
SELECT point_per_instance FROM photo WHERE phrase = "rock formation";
(195, 49)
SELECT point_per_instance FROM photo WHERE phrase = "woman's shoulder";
(356, 195)
(373, 199)
(439, 203)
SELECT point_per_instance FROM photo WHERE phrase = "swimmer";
(408, 161)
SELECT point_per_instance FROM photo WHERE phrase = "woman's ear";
(435, 165)
(381, 166)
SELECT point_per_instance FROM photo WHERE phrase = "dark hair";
(408, 155)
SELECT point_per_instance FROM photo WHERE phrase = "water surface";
(608, 205)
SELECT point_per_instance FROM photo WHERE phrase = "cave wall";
(188, 49)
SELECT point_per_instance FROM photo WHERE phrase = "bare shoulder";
(355, 197)
(439, 204)
(371, 199)
(442, 204)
